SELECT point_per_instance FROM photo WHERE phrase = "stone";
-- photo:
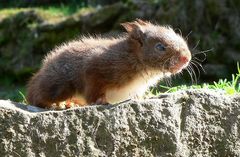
(184, 123)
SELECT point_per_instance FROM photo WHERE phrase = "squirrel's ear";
(143, 23)
(138, 24)
(134, 29)
(131, 27)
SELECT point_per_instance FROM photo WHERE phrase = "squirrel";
(109, 70)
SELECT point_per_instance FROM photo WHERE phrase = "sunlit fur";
(109, 69)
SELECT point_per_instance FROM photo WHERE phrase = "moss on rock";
(28, 34)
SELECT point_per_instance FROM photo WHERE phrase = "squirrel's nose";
(185, 57)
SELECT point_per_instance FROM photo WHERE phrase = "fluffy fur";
(109, 70)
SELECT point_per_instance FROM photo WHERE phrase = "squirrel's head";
(158, 47)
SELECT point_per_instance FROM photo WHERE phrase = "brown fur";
(91, 66)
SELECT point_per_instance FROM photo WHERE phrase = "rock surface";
(186, 123)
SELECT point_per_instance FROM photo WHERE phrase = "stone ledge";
(186, 123)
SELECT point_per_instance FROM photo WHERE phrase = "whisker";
(169, 82)
(174, 76)
(202, 52)
(196, 45)
(166, 81)
(180, 73)
(195, 65)
(199, 59)
(206, 51)
(169, 79)
(199, 64)
(194, 74)
(188, 35)
(166, 62)
(190, 74)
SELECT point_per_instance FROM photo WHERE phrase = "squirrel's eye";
(160, 47)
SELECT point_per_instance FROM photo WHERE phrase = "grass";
(13, 93)
(229, 86)
(62, 10)
(48, 12)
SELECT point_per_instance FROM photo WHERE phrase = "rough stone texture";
(186, 123)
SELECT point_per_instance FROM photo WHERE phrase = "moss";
(54, 38)
(83, 11)
(48, 12)
(10, 12)
(49, 16)
(100, 16)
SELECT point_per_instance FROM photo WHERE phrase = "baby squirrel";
(108, 70)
